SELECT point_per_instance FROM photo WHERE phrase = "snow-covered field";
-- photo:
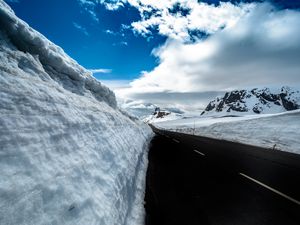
(67, 154)
(280, 131)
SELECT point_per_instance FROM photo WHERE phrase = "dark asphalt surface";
(187, 188)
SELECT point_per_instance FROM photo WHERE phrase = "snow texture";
(279, 131)
(67, 154)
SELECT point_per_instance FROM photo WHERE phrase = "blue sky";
(103, 42)
(155, 49)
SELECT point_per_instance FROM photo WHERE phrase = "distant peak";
(255, 101)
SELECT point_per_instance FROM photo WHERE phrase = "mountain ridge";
(255, 101)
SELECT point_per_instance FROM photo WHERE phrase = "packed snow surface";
(67, 154)
(275, 131)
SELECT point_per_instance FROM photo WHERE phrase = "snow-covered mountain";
(138, 109)
(255, 101)
(68, 155)
(150, 113)
(163, 115)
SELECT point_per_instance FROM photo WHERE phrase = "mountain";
(138, 109)
(160, 115)
(68, 155)
(255, 101)
(149, 112)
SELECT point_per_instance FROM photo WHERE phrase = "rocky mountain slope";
(255, 101)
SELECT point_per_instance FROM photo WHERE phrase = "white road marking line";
(199, 152)
(176, 140)
(271, 189)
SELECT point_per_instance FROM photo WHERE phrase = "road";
(195, 180)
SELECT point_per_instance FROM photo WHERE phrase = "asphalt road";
(193, 180)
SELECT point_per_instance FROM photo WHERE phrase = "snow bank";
(275, 131)
(57, 64)
(67, 154)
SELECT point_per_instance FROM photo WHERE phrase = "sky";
(174, 53)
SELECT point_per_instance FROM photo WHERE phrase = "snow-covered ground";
(67, 154)
(268, 130)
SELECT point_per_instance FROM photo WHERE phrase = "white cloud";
(121, 43)
(87, 2)
(263, 48)
(114, 33)
(113, 6)
(81, 28)
(188, 15)
(116, 84)
(89, 6)
(111, 32)
(176, 23)
(100, 70)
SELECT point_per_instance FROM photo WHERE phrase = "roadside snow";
(67, 154)
(281, 130)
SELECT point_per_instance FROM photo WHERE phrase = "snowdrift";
(67, 154)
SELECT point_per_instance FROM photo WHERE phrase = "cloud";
(110, 32)
(114, 5)
(116, 33)
(116, 84)
(186, 101)
(100, 70)
(90, 7)
(261, 49)
(81, 28)
(121, 43)
(177, 19)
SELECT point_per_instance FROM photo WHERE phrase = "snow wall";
(67, 154)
